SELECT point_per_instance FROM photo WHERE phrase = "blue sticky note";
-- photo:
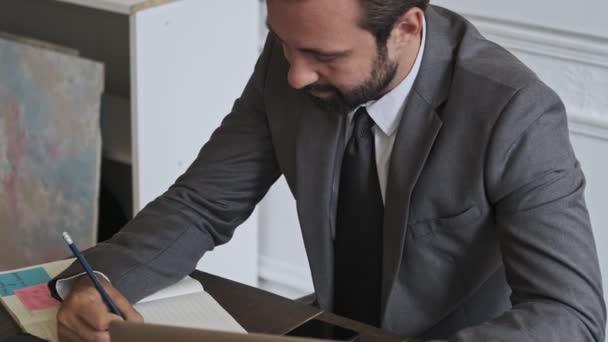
(10, 282)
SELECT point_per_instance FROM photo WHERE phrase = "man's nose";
(301, 74)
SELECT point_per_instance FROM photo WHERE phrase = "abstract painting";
(50, 150)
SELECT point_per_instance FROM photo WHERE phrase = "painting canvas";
(50, 150)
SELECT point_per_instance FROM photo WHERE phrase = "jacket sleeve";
(547, 244)
(231, 174)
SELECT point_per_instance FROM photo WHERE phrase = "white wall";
(283, 265)
(567, 45)
(190, 60)
(231, 45)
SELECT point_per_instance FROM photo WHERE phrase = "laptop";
(121, 331)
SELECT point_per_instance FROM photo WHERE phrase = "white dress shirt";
(386, 113)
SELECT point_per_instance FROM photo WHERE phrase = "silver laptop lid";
(128, 332)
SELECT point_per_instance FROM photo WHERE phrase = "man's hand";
(84, 316)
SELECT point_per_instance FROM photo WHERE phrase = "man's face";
(332, 58)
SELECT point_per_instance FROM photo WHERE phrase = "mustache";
(320, 88)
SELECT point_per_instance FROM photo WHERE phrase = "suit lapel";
(320, 137)
(418, 129)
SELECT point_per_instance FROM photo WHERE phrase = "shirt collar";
(387, 111)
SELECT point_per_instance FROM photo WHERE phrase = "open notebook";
(185, 304)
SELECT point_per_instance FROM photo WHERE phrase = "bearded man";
(437, 190)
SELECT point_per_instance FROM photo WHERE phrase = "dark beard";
(383, 72)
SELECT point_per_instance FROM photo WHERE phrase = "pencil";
(89, 271)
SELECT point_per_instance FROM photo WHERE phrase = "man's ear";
(407, 28)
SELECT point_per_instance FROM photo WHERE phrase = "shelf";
(119, 6)
(96, 34)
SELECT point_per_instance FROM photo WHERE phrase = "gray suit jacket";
(485, 220)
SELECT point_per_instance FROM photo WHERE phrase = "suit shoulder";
(495, 64)
(485, 59)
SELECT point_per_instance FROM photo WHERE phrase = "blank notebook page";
(185, 286)
(193, 310)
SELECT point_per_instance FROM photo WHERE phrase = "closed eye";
(325, 58)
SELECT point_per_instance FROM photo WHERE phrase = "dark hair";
(379, 16)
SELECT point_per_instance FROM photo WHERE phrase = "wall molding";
(542, 41)
(294, 277)
(591, 127)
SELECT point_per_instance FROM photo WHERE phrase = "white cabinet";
(173, 70)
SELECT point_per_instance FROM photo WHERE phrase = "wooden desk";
(256, 310)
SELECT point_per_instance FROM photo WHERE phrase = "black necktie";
(358, 242)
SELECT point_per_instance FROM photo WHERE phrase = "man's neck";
(406, 64)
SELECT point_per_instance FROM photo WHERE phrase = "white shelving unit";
(173, 70)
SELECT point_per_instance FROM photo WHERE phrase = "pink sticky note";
(36, 297)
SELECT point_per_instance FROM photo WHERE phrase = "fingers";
(127, 310)
(67, 334)
(93, 312)
(71, 327)
(84, 316)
